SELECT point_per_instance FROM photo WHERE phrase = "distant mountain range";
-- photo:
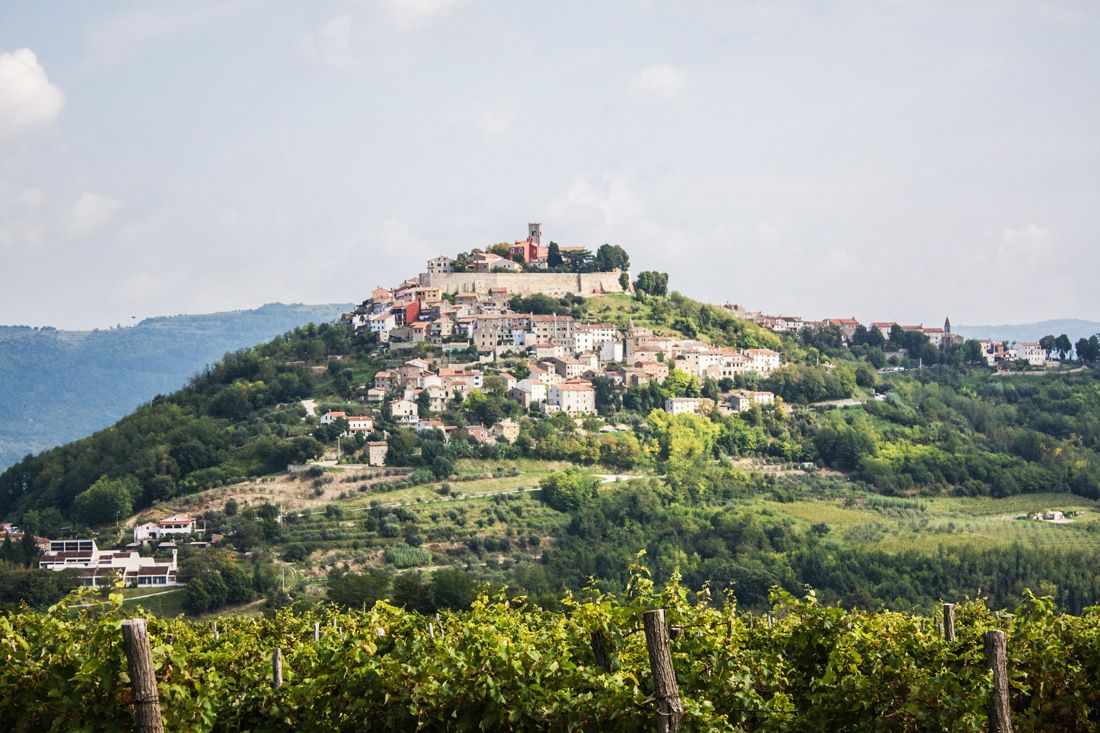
(57, 386)
(1075, 328)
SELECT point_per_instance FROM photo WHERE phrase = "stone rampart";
(525, 283)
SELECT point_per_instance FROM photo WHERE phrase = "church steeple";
(947, 326)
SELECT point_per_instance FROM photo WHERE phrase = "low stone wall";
(525, 283)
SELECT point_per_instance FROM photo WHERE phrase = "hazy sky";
(889, 160)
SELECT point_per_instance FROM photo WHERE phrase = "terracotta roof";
(575, 386)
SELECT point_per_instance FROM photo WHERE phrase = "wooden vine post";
(949, 622)
(600, 649)
(1000, 713)
(277, 668)
(143, 681)
(670, 710)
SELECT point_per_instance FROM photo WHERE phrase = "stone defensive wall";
(525, 283)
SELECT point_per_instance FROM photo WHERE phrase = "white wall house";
(104, 567)
(574, 397)
(688, 405)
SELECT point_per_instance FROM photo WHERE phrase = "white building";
(103, 567)
(382, 323)
(528, 392)
(590, 336)
(376, 451)
(573, 397)
(764, 361)
(177, 524)
(441, 264)
(743, 399)
(688, 405)
(403, 412)
(1031, 352)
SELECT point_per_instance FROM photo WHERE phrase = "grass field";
(929, 524)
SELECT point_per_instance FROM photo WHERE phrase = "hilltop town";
(491, 370)
(472, 306)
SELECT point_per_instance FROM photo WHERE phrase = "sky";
(880, 159)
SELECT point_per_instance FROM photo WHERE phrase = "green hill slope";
(57, 386)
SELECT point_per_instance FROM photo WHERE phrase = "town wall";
(525, 283)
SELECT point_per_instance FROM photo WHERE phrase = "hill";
(733, 455)
(57, 386)
(1075, 328)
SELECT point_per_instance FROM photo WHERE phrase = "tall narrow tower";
(947, 326)
(534, 233)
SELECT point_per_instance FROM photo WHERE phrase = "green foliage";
(107, 500)
(63, 385)
(505, 665)
(567, 490)
(182, 442)
(36, 588)
(802, 383)
(403, 556)
(356, 589)
(650, 282)
(612, 257)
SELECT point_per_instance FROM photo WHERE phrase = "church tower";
(947, 326)
(534, 233)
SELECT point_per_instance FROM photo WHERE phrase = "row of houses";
(996, 353)
(105, 567)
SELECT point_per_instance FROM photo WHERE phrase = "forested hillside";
(878, 480)
(57, 386)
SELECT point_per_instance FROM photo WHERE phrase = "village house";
(490, 262)
(545, 373)
(177, 524)
(576, 397)
(508, 379)
(460, 381)
(441, 264)
(531, 250)
(105, 567)
(883, 327)
(375, 451)
(437, 397)
(764, 361)
(403, 412)
(554, 329)
(476, 433)
(847, 326)
(688, 405)
(1031, 352)
(742, 400)
(506, 430)
(541, 352)
(590, 336)
(655, 370)
(528, 392)
(567, 366)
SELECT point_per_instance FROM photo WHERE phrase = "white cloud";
(331, 43)
(1027, 242)
(114, 38)
(659, 80)
(410, 14)
(91, 213)
(493, 119)
(31, 198)
(27, 98)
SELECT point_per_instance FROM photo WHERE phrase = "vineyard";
(505, 664)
